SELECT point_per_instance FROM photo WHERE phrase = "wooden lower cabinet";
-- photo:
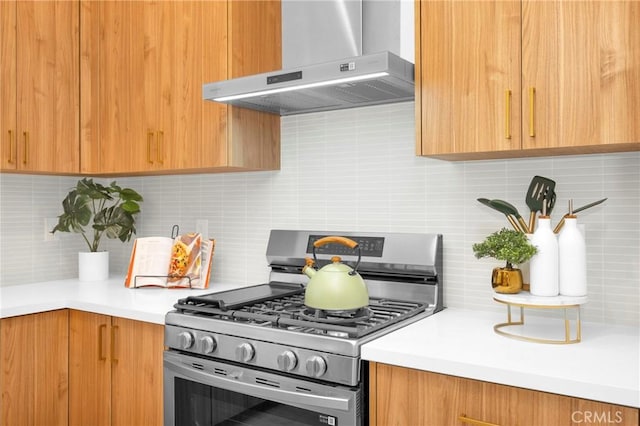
(34, 377)
(115, 371)
(403, 396)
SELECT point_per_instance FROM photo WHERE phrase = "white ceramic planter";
(93, 266)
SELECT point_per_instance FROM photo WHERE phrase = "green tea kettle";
(336, 286)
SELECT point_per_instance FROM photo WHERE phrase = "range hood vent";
(338, 83)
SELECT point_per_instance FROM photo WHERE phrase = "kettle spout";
(308, 269)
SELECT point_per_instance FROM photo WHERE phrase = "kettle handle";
(335, 239)
(339, 240)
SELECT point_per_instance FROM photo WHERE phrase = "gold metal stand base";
(527, 301)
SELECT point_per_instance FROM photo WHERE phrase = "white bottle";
(572, 266)
(544, 264)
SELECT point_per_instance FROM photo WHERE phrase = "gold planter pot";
(506, 280)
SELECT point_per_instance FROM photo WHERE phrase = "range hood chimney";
(336, 54)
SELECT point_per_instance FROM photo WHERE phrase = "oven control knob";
(287, 361)
(209, 344)
(186, 339)
(316, 366)
(245, 352)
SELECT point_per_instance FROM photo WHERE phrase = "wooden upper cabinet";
(143, 67)
(255, 46)
(40, 86)
(8, 78)
(582, 59)
(120, 70)
(467, 76)
(511, 79)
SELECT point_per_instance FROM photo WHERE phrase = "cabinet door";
(143, 66)
(193, 135)
(89, 369)
(136, 390)
(8, 77)
(118, 51)
(133, 80)
(255, 46)
(403, 396)
(582, 59)
(468, 77)
(34, 377)
(115, 371)
(410, 397)
(507, 405)
(40, 62)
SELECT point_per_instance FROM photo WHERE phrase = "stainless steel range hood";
(325, 68)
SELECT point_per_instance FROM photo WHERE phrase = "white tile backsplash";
(354, 170)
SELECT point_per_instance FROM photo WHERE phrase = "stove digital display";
(370, 246)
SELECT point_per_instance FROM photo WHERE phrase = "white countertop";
(111, 297)
(604, 366)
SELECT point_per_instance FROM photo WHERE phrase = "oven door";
(203, 392)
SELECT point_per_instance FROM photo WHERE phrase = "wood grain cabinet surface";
(115, 371)
(34, 378)
(143, 64)
(499, 79)
(115, 88)
(403, 396)
(70, 367)
(40, 86)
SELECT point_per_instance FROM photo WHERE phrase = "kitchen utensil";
(579, 209)
(487, 203)
(538, 189)
(510, 210)
(550, 202)
(336, 286)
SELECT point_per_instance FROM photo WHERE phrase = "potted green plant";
(95, 210)
(515, 249)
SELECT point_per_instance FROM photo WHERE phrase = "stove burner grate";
(336, 317)
(289, 312)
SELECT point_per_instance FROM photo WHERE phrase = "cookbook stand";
(524, 300)
(135, 280)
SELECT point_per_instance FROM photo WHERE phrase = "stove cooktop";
(281, 306)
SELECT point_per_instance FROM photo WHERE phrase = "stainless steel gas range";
(258, 356)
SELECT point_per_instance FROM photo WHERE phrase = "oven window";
(202, 405)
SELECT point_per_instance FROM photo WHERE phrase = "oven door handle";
(271, 393)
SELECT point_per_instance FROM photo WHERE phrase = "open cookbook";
(183, 261)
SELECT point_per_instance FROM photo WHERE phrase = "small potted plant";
(95, 210)
(515, 249)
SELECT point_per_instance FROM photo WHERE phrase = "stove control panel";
(269, 355)
(369, 246)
